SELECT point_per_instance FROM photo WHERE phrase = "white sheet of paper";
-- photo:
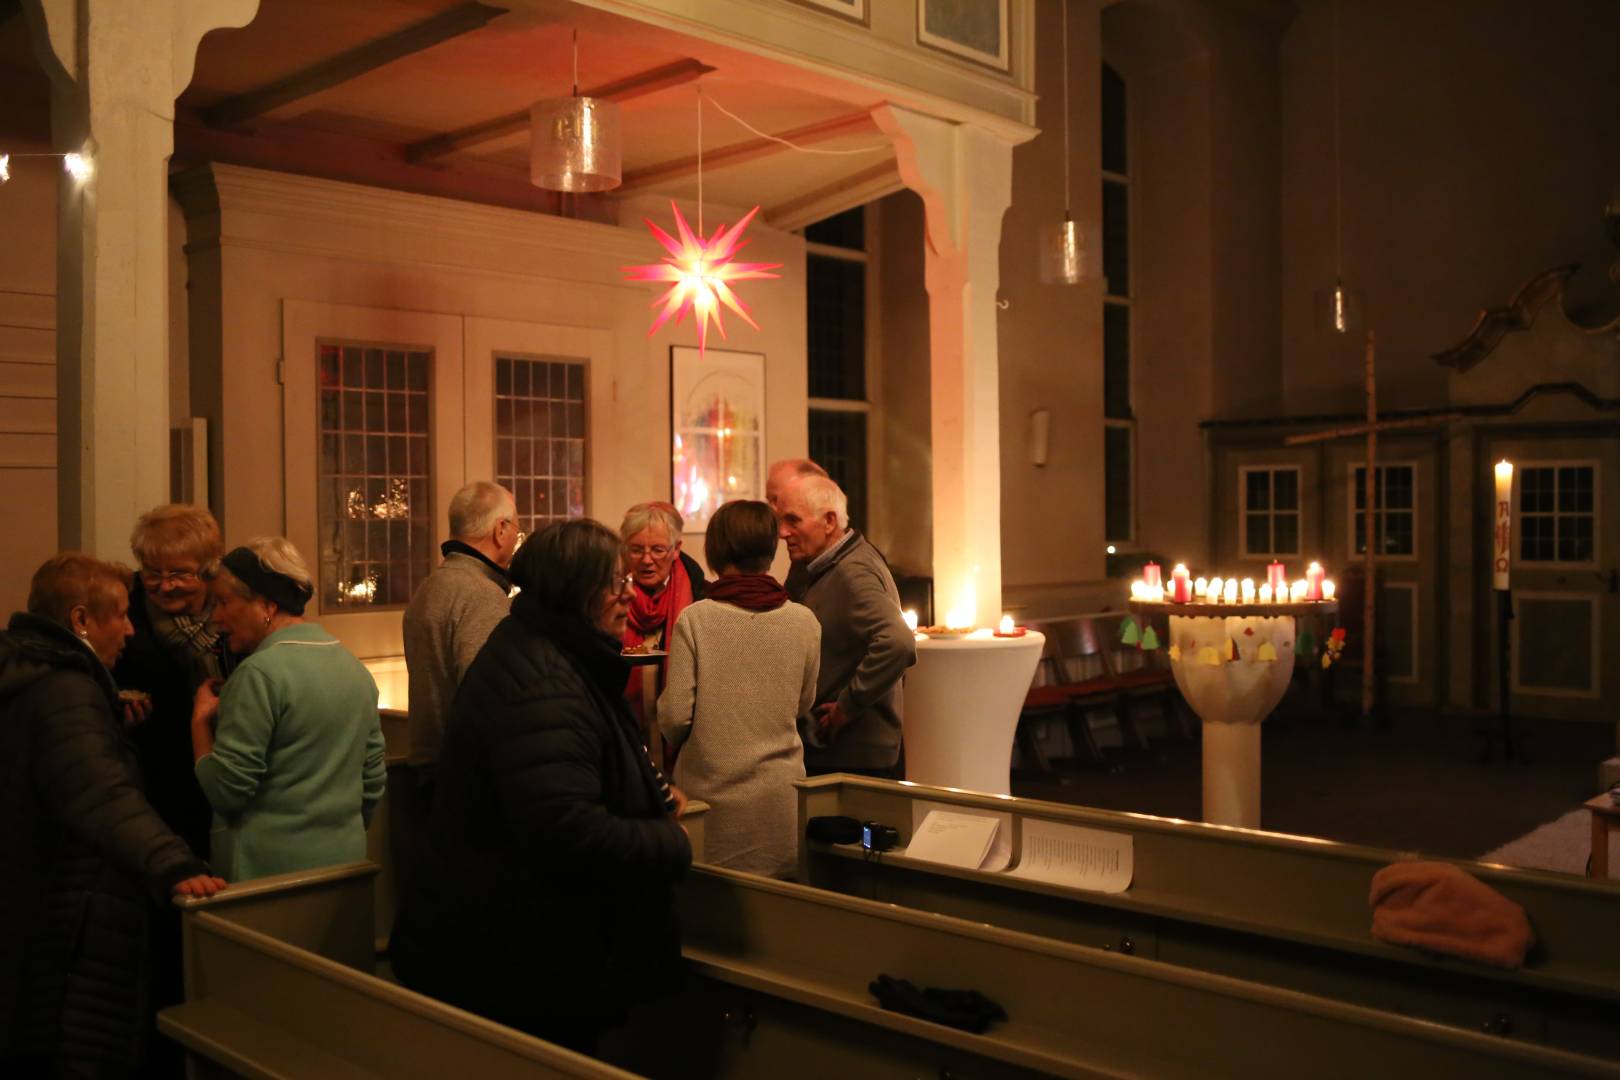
(1000, 851)
(1075, 856)
(953, 839)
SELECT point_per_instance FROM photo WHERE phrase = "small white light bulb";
(77, 165)
(5, 168)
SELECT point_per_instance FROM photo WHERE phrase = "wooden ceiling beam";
(738, 153)
(454, 22)
(626, 89)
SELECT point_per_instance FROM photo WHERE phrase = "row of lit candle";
(1313, 586)
(1006, 628)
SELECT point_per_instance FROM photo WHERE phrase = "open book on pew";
(1053, 852)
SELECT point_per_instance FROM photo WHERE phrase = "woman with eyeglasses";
(289, 750)
(174, 651)
(665, 582)
(546, 900)
(87, 861)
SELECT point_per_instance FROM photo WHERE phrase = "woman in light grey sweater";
(737, 723)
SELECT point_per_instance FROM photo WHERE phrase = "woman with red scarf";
(665, 582)
(737, 725)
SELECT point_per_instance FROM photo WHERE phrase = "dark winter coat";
(547, 898)
(84, 854)
(163, 742)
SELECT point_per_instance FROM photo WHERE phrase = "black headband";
(288, 595)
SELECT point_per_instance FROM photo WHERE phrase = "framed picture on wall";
(974, 29)
(853, 10)
(717, 419)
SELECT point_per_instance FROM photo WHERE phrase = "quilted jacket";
(547, 897)
(84, 854)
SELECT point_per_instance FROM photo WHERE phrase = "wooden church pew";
(778, 987)
(1284, 911)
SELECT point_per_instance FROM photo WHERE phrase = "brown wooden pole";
(1371, 590)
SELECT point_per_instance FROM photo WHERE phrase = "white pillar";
(116, 68)
(964, 175)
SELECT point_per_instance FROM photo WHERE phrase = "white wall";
(259, 238)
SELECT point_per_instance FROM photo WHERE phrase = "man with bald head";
(866, 646)
(784, 472)
(455, 609)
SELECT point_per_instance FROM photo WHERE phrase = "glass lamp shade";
(1068, 255)
(574, 145)
(1339, 310)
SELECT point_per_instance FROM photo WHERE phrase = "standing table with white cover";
(1232, 663)
(961, 706)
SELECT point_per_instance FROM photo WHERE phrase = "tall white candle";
(1265, 593)
(1246, 590)
(1502, 532)
(1230, 592)
(1201, 588)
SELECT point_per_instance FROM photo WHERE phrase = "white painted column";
(964, 175)
(116, 68)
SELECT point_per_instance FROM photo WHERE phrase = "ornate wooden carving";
(1496, 323)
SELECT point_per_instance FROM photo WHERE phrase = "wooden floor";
(1417, 785)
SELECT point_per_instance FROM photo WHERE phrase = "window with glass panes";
(1394, 509)
(1270, 510)
(1119, 421)
(1558, 513)
(835, 306)
(540, 437)
(373, 512)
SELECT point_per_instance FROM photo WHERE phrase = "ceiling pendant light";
(574, 142)
(1066, 256)
(700, 270)
(1338, 309)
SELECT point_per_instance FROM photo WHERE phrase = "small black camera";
(878, 837)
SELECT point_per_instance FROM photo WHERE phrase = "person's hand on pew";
(203, 885)
(680, 801)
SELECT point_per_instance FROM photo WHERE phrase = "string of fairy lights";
(75, 165)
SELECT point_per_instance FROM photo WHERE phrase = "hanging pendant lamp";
(1068, 253)
(574, 142)
(1338, 309)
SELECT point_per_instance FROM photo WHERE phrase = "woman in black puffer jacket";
(85, 854)
(546, 900)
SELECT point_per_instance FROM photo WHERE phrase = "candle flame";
(910, 616)
(1007, 624)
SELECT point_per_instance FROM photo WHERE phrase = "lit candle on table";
(1265, 593)
(1277, 578)
(1201, 588)
(1296, 591)
(1150, 575)
(1182, 593)
(1246, 590)
(1313, 581)
(1214, 590)
(1008, 629)
(910, 615)
(1138, 590)
(1229, 593)
(1329, 590)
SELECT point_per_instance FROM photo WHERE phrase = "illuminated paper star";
(701, 272)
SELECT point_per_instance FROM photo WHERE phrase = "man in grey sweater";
(866, 646)
(455, 609)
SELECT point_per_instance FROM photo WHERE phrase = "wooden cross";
(1370, 429)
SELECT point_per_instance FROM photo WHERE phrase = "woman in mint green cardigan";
(289, 751)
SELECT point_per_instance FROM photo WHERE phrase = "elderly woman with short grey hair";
(289, 751)
(666, 579)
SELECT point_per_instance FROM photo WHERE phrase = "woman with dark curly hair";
(547, 901)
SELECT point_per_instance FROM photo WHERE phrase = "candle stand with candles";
(1232, 661)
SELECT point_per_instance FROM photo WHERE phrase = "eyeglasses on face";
(157, 578)
(657, 551)
(622, 586)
